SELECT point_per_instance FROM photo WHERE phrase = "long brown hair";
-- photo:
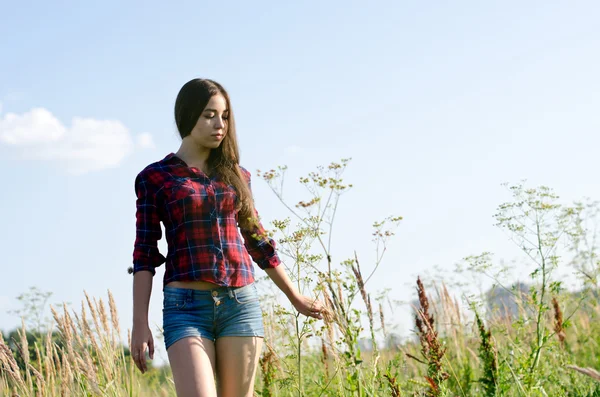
(224, 161)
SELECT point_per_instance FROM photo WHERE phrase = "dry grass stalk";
(49, 370)
(40, 379)
(361, 286)
(65, 329)
(67, 374)
(78, 332)
(87, 367)
(340, 296)
(268, 363)
(129, 343)
(458, 311)
(7, 359)
(74, 331)
(93, 312)
(87, 331)
(325, 357)
(359, 278)
(330, 318)
(57, 320)
(103, 317)
(58, 368)
(592, 373)
(452, 321)
(102, 352)
(558, 321)
(367, 299)
(451, 308)
(39, 362)
(370, 310)
(114, 315)
(329, 314)
(382, 319)
(50, 365)
(24, 349)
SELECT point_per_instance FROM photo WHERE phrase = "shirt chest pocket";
(182, 189)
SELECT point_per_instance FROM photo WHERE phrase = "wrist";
(140, 322)
(293, 295)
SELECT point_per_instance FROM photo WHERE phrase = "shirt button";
(215, 293)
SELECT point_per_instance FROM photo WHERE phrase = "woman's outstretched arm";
(308, 306)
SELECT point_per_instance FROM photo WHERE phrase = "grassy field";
(538, 340)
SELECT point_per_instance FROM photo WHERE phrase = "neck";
(192, 154)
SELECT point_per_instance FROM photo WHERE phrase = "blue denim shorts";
(222, 311)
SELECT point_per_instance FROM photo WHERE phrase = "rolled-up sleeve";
(146, 255)
(260, 247)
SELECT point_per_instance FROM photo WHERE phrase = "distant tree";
(506, 302)
(33, 304)
(365, 344)
(392, 342)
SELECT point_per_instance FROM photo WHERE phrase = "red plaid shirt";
(200, 220)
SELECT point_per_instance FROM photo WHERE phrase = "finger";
(317, 306)
(151, 348)
(313, 304)
(319, 310)
(321, 306)
(143, 357)
(136, 359)
(313, 313)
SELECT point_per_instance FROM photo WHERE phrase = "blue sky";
(437, 104)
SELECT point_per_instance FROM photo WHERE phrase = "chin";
(213, 145)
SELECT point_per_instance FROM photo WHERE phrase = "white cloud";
(87, 145)
(145, 141)
(36, 126)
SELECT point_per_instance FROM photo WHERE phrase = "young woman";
(212, 320)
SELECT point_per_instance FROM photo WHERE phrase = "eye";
(212, 115)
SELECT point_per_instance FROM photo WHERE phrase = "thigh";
(186, 315)
(237, 361)
(193, 362)
(240, 315)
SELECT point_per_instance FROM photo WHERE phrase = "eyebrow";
(214, 110)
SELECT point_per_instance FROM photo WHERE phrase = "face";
(211, 127)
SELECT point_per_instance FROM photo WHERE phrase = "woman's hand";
(141, 338)
(308, 306)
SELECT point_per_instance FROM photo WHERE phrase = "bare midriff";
(197, 285)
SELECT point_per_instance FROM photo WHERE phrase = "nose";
(220, 123)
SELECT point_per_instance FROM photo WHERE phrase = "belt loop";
(189, 295)
(231, 292)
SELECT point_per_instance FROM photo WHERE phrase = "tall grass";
(87, 358)
(543, 342)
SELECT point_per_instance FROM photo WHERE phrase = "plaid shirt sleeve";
(146, 255)
(259, 245)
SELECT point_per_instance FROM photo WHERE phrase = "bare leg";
(237, 361)
(192, 361)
